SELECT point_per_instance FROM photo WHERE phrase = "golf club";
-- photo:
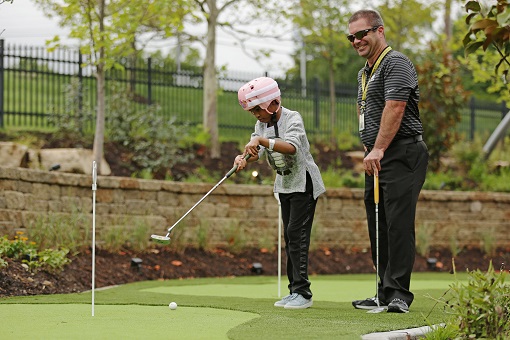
(166, 239)
(94, 188)
(279, 243)
(379, 309)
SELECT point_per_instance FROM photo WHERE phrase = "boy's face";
(263, 115)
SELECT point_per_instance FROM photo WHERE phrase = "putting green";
(75, 321)
(323, 289)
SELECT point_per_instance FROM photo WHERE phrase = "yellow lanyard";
(364, 84)
(364, 87)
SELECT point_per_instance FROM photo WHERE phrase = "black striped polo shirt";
(394, 79)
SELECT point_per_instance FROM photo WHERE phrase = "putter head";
(377, 310)
(160, 239)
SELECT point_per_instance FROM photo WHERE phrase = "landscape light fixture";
(257, 268)
(432, 263)
(136, 263)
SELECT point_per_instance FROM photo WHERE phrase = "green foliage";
(481, 308)
(20, 248)
(75, 112)
(17, 248)
(454, 245)
(50, 260)
(468, 170)
(439, 81)
(322, 25)
(424, 239)
(234, 236)
(71, 231)
(113, 239)
(405, 21)
(137, 237)
(449, 331)
(488, 244)
(489, 25)
(341, 178)
(203, 235)
(154, 140)
(448, 180)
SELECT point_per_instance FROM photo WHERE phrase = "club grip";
(235, 166)
(376, 189)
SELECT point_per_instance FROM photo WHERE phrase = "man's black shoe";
(370, 303)
(398, 306)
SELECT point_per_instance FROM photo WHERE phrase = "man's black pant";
(403, 170)
(298, 210)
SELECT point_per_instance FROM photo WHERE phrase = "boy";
(280, 135)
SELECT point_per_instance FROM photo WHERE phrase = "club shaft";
(196, 204)
(234, 168)
(376, 200)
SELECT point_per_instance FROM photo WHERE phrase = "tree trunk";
(448, 20)
(210, 115)
(97, 151)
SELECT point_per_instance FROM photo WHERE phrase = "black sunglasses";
(361, 34)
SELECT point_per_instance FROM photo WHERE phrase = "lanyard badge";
(362, 116)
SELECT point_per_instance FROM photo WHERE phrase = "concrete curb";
(404, 334)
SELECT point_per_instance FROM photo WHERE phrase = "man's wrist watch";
(271, 144)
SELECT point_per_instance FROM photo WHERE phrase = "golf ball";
(172, 305)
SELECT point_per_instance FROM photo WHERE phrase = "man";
(391, 131)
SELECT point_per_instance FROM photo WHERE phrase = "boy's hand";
(240, 161)
(252, 147)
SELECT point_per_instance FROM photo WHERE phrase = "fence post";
(472, 122)
(316, 102)
(503, 109)
(2, 83)
(80, 91)
(149, 80)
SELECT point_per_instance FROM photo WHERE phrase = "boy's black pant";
(298, 210)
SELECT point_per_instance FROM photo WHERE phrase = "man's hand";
(372, 162)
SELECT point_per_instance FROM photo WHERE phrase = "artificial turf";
(218, 308)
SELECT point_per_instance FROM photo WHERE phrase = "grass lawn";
(218, 308)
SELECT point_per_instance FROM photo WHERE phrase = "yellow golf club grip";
(376, 189)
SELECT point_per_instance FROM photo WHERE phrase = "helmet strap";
(274, 121)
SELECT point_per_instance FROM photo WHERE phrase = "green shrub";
(341, 178)
(203, 235)
(71, 231)
(153, 139)
(235, 237)
(113, 239)
(20, 248)
(480, 309)
(424, 239)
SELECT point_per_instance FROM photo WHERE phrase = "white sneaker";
(299, 302)
(285, 300)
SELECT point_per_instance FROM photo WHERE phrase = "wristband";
(271, 144)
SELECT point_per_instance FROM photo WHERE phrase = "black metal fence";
(37, 85)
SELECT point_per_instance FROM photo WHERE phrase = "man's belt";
(283, 173)
(403, 141)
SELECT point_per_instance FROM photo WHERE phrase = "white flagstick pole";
(94, 187)
(279, 244)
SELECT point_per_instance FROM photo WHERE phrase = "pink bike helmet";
(260, 91)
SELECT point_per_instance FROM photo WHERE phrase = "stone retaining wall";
(247, 211)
